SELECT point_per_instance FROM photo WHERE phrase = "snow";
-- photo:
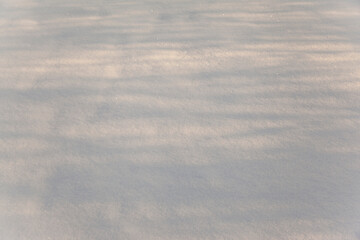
(179, 119)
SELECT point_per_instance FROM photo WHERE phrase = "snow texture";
(179, 120)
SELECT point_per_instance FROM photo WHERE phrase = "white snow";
(179, 119)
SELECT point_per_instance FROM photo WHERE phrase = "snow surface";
(179, 119)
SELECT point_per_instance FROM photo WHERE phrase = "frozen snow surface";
(179, 119)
